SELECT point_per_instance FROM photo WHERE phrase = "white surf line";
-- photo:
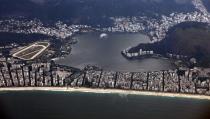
(109, 91)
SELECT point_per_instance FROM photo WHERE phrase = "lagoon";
(106, 53)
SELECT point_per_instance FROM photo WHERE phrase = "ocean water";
(106, 53)
(76, 105)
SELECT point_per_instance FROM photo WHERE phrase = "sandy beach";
(102, 91)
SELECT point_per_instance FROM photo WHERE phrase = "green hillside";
(191, 39)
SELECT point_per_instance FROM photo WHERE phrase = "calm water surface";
(65, 105)
(106, 53)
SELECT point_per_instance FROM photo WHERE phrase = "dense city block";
(49, 74)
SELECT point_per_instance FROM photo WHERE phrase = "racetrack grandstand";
(32, 51)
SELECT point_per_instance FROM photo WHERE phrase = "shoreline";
(108, 91)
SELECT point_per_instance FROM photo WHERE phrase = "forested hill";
(189, 38)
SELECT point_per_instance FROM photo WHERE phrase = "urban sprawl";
(189, 81)
(19, 73)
